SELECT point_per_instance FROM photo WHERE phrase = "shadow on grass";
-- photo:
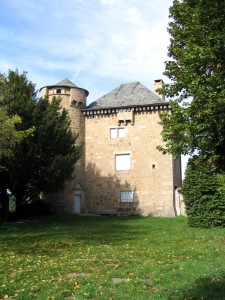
(206, 288)
(68, 231)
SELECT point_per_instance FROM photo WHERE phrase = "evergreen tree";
(204, 194)
(9, 138)
(44, 160)
(9, 135)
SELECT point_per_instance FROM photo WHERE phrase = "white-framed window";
(126, 196)
(122, 162)
(121, 133)
(117, 133)
(58, 91)
(113, 133)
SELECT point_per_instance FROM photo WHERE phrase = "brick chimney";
(158, 84)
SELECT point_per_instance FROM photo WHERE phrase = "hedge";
(204, 195)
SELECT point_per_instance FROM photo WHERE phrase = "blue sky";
(97, 44)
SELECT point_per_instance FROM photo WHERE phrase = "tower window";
(58, 91)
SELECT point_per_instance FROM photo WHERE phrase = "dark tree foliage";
(196, 71)
(204, 195)
(43, 161)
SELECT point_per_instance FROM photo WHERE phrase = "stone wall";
(150, 177)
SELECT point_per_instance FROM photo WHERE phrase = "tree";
(44, 160)
(9, 133)
(204, 194)
(197, 72)
(9, 137)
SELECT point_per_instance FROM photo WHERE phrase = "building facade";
(121, 171)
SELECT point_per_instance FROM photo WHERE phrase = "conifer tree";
(44, 160)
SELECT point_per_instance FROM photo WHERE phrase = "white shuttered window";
(122, 162)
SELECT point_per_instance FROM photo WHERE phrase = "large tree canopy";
(197, 80)
(44, 160)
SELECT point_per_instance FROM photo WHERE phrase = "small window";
(122, 162)
(113, 133)
(127, 196)
(117, 133)
(121, 133)
(58, 91)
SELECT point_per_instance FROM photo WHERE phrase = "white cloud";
(92, 40)
(109, 2)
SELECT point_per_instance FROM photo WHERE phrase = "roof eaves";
(66, 86)
(127, 106)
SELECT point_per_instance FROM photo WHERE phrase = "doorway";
(77, 204)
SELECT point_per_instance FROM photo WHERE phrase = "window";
(58, 91)
(126, 196)
(113, 133)
(121, 133)
(122, 162)
(117, 133)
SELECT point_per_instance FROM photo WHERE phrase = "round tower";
(73, 99)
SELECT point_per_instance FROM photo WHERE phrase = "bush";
(204, 195)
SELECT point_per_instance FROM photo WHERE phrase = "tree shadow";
(204, 288)
(105, 193)
(57, 234)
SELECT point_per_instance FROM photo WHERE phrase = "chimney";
(158, 84)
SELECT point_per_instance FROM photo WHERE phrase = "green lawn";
(70, 257)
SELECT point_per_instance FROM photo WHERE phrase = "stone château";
(121, 171)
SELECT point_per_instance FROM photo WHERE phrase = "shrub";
(204, 195)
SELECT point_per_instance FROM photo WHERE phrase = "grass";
(72, 257)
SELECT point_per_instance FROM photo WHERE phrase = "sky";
(97, 44)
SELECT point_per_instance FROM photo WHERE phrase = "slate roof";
(126, 95)
(66, 83)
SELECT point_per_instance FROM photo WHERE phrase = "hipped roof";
(126, 95)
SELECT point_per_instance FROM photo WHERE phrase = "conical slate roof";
(126, 95)
(66, 82)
